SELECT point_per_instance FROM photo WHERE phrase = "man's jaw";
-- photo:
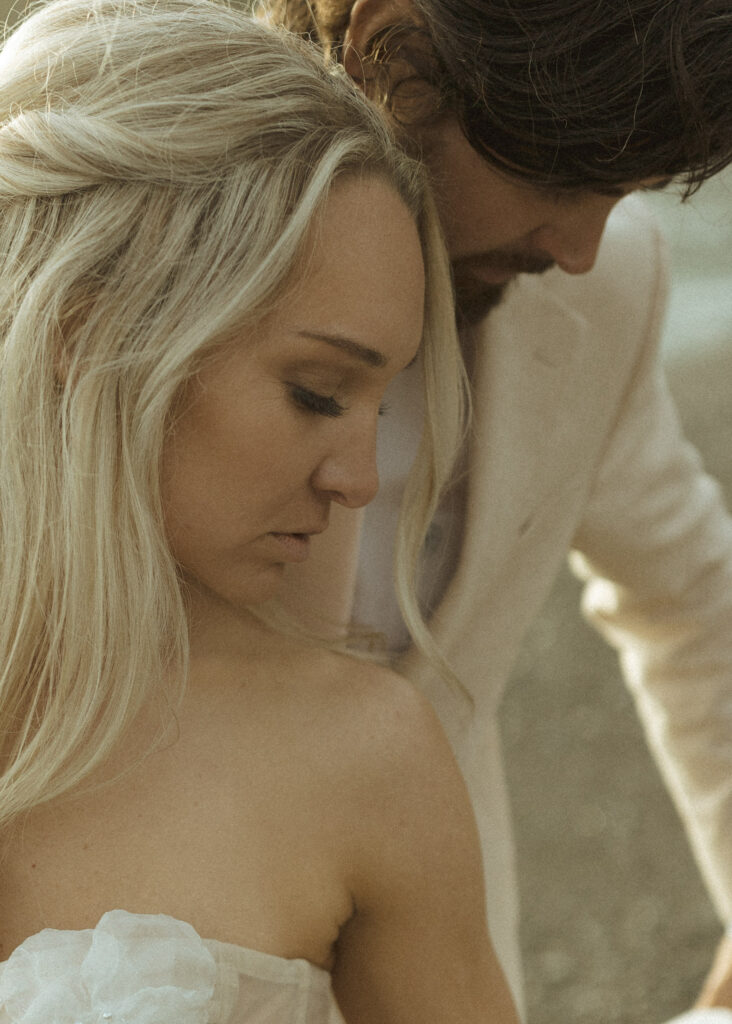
(480, 281)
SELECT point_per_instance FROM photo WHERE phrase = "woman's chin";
(237, 596)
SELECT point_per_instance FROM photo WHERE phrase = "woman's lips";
(295, 546)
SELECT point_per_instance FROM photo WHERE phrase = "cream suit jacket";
(576, 447)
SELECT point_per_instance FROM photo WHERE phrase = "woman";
(213, 262)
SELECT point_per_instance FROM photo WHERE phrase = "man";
(536, 120)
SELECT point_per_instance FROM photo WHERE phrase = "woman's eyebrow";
(363, 353)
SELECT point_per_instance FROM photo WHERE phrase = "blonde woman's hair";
(161, 167)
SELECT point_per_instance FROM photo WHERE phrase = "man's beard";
(474, 297)
(474, 300)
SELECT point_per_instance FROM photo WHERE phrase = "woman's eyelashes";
(313, 401)
(322, 405)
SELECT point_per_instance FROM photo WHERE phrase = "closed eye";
(314, 402)
(657, 186)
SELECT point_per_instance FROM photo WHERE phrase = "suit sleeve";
(655, 551)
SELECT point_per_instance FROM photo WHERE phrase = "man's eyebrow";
(363, 353)
(618, 192)
(659, 185)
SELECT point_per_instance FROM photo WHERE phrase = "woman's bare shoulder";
(387, 748)
(352, 729)
(379, 713)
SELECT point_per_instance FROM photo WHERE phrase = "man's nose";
(572, 237)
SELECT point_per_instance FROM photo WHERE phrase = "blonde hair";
(161, 166)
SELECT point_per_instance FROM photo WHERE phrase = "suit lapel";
(521, 390)
(521, 387)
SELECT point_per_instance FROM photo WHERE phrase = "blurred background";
(617, 927)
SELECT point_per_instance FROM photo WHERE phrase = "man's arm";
(655, 550)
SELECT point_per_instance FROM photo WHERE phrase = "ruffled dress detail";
(153, 969)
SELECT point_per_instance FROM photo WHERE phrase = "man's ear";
(367, 19)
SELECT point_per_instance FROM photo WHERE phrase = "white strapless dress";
(153, 969)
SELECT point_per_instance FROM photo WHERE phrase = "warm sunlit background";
(617, 927)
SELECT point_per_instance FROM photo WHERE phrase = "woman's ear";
(367, 19)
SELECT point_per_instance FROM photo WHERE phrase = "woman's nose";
(348, 474)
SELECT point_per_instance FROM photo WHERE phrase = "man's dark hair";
(566, 93)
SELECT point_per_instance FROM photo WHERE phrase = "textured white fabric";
(153, 969)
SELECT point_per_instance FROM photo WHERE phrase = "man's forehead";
(537, 180)
(558, 190)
